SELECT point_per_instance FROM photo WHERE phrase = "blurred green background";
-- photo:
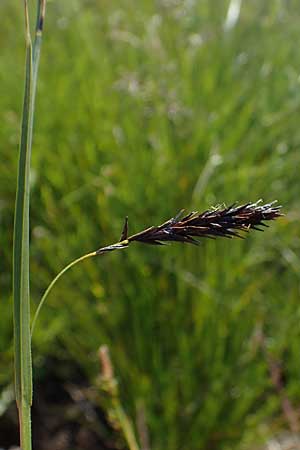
(144, 108)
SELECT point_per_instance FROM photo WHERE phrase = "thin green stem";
(101, 251)
(25, 426)
(53, 282)
(126, 425)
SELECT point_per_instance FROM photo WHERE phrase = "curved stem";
(53, 282)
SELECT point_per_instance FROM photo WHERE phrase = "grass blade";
(21, 288)
(23, 365)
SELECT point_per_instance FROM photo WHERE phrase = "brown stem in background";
(116, 412)
(277, 377)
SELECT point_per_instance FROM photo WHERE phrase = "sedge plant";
(221, 221)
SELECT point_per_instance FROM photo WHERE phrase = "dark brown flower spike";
(217, 222)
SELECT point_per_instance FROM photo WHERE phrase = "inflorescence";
(220, 221)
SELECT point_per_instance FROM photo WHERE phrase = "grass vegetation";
(141, 111)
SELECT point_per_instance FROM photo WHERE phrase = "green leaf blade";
(23, 371)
